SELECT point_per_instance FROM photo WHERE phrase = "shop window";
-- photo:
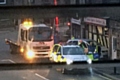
(107, 40)
(90, 28)
(105, 43)
(86, 34)
(95, 37)
(106, 31)
(101, 40)
(100, 30)
(90, 35)
(94, 29)
(87, 26)
(114, 43)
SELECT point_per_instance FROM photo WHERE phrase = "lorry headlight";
(89, 61)
(69, 61)
(21, 50)
(30, 54)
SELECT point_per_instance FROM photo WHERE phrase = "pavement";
(109, 72)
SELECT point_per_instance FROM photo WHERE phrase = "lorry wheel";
(12, 51)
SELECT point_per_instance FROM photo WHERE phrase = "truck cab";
(34, 40)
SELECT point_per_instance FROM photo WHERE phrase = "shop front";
(97, 29)
(76, 28)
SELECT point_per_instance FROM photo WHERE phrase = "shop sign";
(76, 21)
(97, 21)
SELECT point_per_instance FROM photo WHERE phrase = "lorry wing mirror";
(7, 41)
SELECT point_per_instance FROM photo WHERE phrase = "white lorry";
(34, 41)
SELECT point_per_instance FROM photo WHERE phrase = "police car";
(68, 54)
(104, 50)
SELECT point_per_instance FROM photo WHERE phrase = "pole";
(71, 30)
(115, 70)
(110, 44)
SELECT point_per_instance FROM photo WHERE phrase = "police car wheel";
(65, 71)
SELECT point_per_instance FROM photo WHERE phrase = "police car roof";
(80, 39)
(69, 46)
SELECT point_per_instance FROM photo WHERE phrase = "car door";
(59, 53)
(54, 53)
(55, 48)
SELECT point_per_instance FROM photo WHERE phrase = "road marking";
(41, 76)
(8, 60)
(105, 77)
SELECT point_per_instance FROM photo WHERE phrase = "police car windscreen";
(73, 51)
(40, 33)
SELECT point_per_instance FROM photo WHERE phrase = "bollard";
(115, 70)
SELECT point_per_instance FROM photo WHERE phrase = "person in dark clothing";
(91, 47)
(56, 38)
(99, 50)
(82, 44)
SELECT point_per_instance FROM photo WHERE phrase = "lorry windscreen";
(40, 33)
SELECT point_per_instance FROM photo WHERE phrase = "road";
(46, 74)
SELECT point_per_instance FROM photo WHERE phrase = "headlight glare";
(89, 61)
(69, 61)
(30, 54)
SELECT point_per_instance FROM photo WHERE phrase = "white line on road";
(105, 77)
(41, 76)
(8, 60)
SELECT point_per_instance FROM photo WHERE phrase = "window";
(114, 43)
(95, 37)
(2, 1)
(105, 41)
(100, 30)
(73, 51)
(94, 29)
(23, 35)
(73, 42)
(90, 28)
(101, 40)
(90, 35)
(55, 48)
(59, 49)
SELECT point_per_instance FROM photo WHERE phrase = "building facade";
(53, 2)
